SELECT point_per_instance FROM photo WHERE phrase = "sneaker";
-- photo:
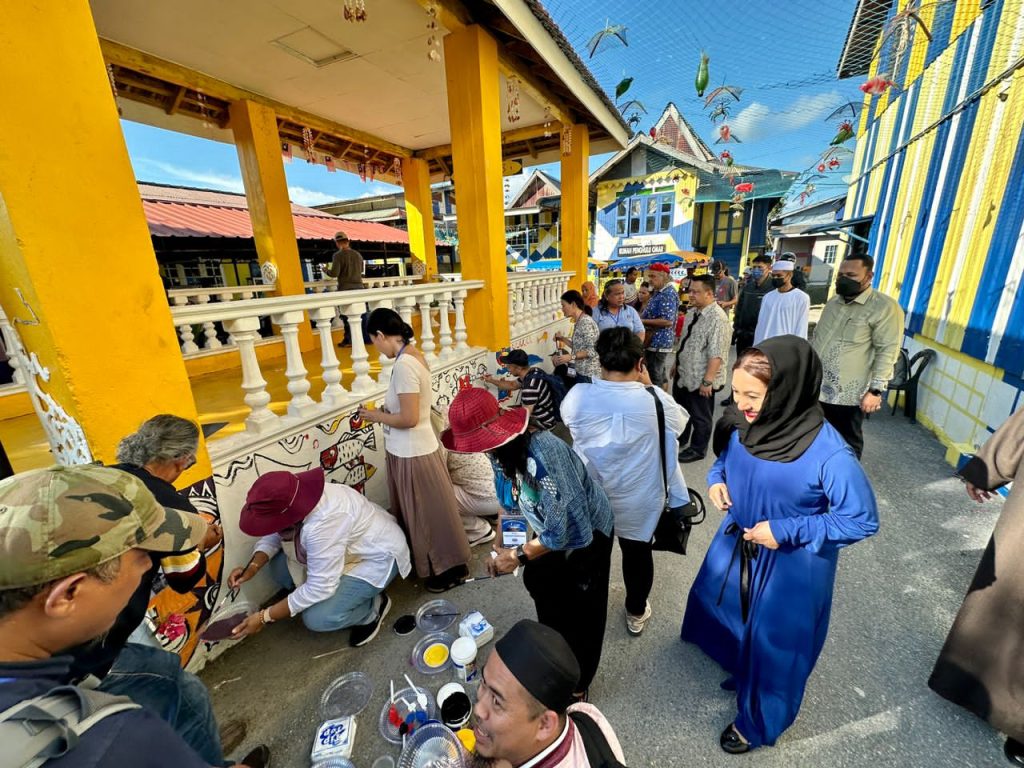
(364, 633)
(258, 758)
(449, 579)
(483, 538)
(635, 624)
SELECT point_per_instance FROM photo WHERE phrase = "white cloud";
(194, 177)
(757, 121)
(304, 196)
(377, 189)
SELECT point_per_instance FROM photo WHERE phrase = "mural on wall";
(173, 618)
(644, 215)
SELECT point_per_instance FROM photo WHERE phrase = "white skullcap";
(782, 266)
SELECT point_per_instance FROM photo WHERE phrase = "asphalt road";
(867, 703)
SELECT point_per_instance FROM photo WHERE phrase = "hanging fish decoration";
(622, 87)
(610, 32)
(877, 85)
(726, 157)
(720, 112)
(721, 92)
(701, 81)
(844, 134)
(744, 188)
(725, 135)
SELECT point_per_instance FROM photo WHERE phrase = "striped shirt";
(537, 392)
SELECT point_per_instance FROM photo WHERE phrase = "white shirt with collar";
(345, 534)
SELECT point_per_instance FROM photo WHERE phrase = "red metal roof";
(178, 212)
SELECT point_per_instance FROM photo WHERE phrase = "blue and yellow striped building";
(939, 164)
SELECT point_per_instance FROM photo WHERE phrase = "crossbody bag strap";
(660, 409)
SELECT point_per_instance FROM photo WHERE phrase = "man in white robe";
(786, 309)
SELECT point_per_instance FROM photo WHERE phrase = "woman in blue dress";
(793, 495)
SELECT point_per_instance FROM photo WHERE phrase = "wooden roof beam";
(176, 101)
(508, 137)
(131, 59)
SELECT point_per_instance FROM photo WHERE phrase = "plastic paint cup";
(464, 658)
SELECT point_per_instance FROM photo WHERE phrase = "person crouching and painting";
(793, 494)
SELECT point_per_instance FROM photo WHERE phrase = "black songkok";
(543, 663)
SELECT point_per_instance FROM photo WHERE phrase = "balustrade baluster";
(427, 345)
(246, 331)
(444, 304)
(301, 403)
(513, 316)
(188, 345)
(334, 394)
(406, 304)
(11, 344)
(360, 358)
(460, 322)
(209, 329)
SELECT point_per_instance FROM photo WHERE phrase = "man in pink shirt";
(526, 715)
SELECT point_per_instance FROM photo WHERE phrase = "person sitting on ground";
(125, 663)
(331, 547)
(613, 311)
(74, 544)
(525, 713)
(541, 393)
(473, 483)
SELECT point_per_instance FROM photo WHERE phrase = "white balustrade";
(11, 344)
(534, 299)
(209, 329)
(244, 318)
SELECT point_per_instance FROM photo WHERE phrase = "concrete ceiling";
(387, 86)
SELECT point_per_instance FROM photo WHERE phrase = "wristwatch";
(705, 383)
(521, 555)
(875, 392)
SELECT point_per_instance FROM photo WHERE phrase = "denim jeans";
(353, 603)
(154, 679)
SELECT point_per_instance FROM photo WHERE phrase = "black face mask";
(778, 282)
(847, 287)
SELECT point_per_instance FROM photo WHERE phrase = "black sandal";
(732, 742)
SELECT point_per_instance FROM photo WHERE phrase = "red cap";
(279, 500)
(479, 425)
(659, 267)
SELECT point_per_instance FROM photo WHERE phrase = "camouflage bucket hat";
(60, 521)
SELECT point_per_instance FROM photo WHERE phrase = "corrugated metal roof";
(184, 212)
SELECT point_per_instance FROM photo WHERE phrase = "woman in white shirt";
(330, 546)
(614, 425)
(418, 483)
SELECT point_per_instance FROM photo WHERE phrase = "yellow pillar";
(575, 215)
(419, 214)
(78, 276)
(474, 114)
(266, 191)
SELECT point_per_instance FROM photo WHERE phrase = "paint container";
(474, 625)
(463, 654)
(514, 529)
(334, 740)
(455, 705)
(224, 620)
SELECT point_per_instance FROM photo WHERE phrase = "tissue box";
(476, 627)
(334, 739)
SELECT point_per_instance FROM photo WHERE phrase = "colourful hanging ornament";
(877, 85)
(701, 81)
(396, 170)
(512, 99)
(329, 162)
(361, 169)
(201, 98)
(433, 38)
(833, 164)
(744, 188)
(844, 134)
(726, 157)
(286, 151)
(548, 119)
(821, 167)
(566, 141)
(725, 135)
(307, 144)
(355, 10)
(610, 32)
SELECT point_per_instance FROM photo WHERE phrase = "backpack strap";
(38, 730)
(599, 751)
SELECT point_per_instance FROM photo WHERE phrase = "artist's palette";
(348, 695)
(436, 615)
(224, 620)
(432, 653)
(390, 726)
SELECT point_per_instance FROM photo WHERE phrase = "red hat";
(479, 425)
(278, 500)
(659, 267)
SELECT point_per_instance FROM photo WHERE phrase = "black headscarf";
(791, 416)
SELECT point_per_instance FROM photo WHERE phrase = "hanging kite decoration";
(843, 135)
(634, 105)
(610, 33)
(355, 10)
(725, 135)
(723, 92)
(851, 108)
(701, 81)
(877, 85)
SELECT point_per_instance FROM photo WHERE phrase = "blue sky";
(785, 62)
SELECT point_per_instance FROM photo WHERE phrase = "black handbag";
(673, 530)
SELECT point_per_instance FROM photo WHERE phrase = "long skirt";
(424, 503)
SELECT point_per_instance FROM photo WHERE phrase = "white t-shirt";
(782, 314)
(407, 376)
